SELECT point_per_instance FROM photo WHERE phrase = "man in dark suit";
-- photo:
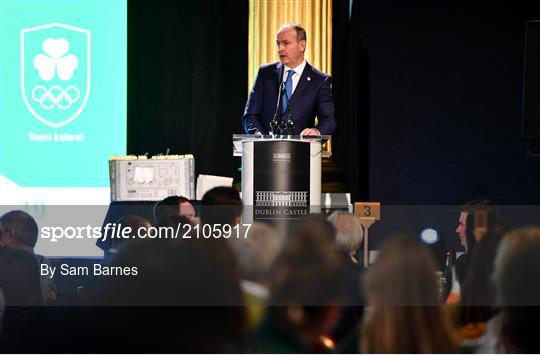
(306, 91)
(19, 278)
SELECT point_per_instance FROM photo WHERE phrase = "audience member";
(349, 233)
(116, 306)
(256, 254)
(305, 292)
(477, 303)
(4, 344)
(2, 306)
(405, 317)
(20, 231)
(132, 223)
(469, 234)
(257, 251)
(198, 282)
(176, 206)
(349, 236)
(19, 278)
(19, 281)
(517, 266)
(221, 206)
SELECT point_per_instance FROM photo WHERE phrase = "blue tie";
(288, 91)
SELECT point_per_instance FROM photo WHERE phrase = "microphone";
(274, 123)
(447, 274)
(289, 125)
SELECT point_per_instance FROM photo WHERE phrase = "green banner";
(63, 92)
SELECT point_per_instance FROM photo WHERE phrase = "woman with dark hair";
(305, 292)
(405, 316)
(477, 304)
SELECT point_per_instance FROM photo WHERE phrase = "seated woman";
(477, 294)
(405, 316)
(306, 290)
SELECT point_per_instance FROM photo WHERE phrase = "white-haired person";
(255, 254)
(349, 237)
(349, 233)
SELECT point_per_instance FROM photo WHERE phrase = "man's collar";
(299, 69)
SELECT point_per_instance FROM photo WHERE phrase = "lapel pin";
(308, 78)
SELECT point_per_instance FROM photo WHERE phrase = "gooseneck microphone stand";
(289, 125)
(274, 125)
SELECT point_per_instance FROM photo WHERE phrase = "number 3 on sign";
(367, 213)
(368, 210)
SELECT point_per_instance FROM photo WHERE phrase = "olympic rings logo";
(55, 96)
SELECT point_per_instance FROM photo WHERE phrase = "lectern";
(281, 175)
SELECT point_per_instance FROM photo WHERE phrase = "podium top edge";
(279, 137)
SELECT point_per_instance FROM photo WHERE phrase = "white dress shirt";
(296, 76)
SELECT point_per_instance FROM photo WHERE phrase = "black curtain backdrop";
(445, 100)
(187, 79)
(350, 70)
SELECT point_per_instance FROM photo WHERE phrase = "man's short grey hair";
(300, 31)
(23, 225)
(349, 232)
(257, 252)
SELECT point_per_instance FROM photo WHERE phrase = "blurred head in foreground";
(174, 206)
(257, 251)
(402, 290)
(191, 283)
(221, 206)
(307, 286)
(517, 266)
(349, 232)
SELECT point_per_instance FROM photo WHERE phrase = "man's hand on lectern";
(310, 132)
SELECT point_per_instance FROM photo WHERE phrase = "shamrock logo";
(56, 60)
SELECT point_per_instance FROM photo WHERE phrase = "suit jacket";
(312, 97)
(19, 278)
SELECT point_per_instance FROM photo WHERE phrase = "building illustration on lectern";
(281, 198)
